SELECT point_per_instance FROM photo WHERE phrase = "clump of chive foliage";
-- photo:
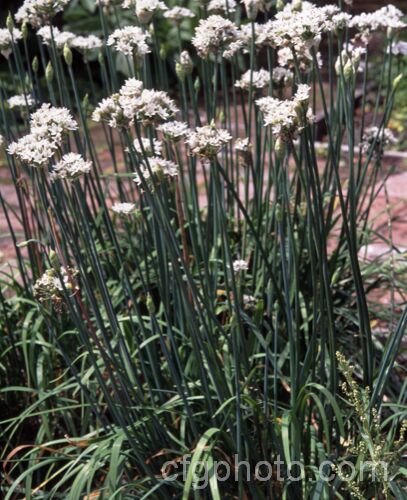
(186, 297)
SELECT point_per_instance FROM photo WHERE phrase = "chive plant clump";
(187, 312)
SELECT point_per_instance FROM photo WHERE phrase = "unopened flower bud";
(35, 64)
(397, 80)
(49, 72)
(280, 5)
(10, 22)
(67, 55)
(150, 304)
(163, 52)
(85, 102)
(279, 147)
(53, 258)
(297, 5)
(348, 70)
(197, 85)
(24, 30)
(101, 58)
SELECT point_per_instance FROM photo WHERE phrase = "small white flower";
(282, 76)
(39, 12)
(124, 208)
(33, 150)
(243, 145)
(86, 44)
(152, 106)
(109, 111)
(7, 39)
(148, 149)
(160, 169)
(20, 101)
(178, 14)
(131, 41)
(257, 79)
(240, 265)
(52, 122)
(216, 35)
(208, 140)
(60, 37)
(145, 9)
(254, 6)
(174, 131)
(71, 167)
(399, 49)
(377, 139)
(222, 6)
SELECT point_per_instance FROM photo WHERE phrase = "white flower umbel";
(51, 287)
(242, 145)
(145, 9)
(71, 167)
(208, 140)
(131, 41)
(33, 150)
(160, 169)
(7, 39)
(52, 122)
(222, 6)
(257, 79)
(178, 14)
(376, 140)
(240, 266)
(118, 110)
(110, 112)
(124, 208)
(216, 35)
(39, 12)
(148, 147)
(282, 76)
(152, 106)
(399, 49)
(60, 37)
(86, 44)
(254, 6)
(20, 101)
(174, 130)
(386, 17)
(286, 118)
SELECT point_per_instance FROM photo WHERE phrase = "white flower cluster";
(148, 147)
(86, 44)
(39, 12)
(60, 38)
(157, 168)
(375, 139)
(174, 130)
(254, 6)
(386, 17)
(216, 35)
(240, 266)
(51, 287)
(282, 76)
(7, 39)
(71, 167)
(145, 9)
(257, 79)
(131, 41)
(133, 102)
(208, 140)
(399, 48)
(124, 208)
(20, 101)
(222, 6)
(286, 118)
(48, 126)
(177, 14)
